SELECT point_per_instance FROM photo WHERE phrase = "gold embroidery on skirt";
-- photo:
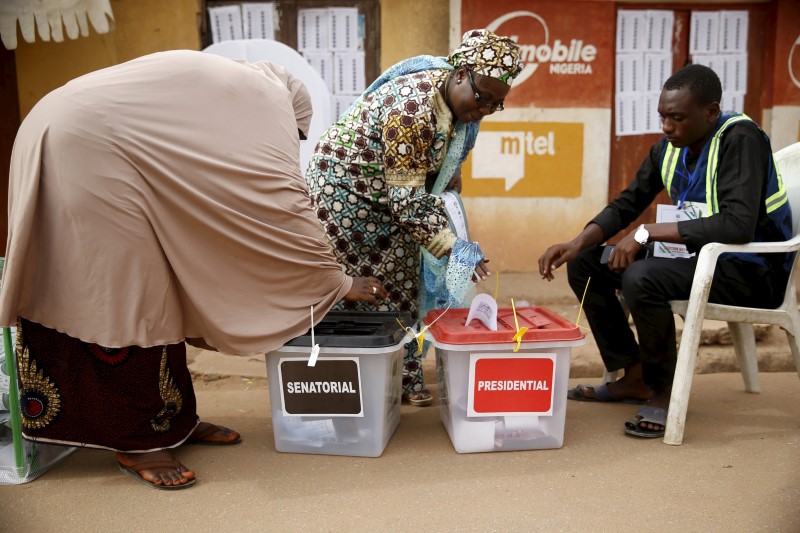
(173, 401)
(38, 392)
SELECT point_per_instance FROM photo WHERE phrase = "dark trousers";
(647, 285)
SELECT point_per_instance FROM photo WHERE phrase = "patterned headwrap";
(488, 54)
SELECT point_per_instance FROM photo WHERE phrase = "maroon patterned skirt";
(81, 394)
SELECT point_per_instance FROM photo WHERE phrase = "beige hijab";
(161, 199)
(301, 99)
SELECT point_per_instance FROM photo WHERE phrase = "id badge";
(671, 213)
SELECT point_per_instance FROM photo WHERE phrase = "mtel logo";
(573, 57)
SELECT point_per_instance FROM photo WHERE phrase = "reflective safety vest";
(777, 201)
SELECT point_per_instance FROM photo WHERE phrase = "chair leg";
(682, 384)
(744, 344)
(795, 346)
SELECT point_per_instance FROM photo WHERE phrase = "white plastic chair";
(253, 50)
(740, 319)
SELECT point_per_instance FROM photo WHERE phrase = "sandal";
(213, 435)
(648, 415)
(418, 398)
(602, 394)
(134, 470)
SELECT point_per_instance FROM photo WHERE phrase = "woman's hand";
(366, 290)
(455, 182)
(482, 271)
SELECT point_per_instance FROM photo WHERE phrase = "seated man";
(717, 164)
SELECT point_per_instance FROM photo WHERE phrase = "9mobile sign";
(574, 57)
(567, 48)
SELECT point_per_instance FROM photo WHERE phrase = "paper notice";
(657, 68)
(631, 27)
(343, 29)
(732, 102)
(322, 62)
(704, 32)
(658, 37)
(650, 116)
(259, 21)
(341, 103)
(628, 111)
(226, 23)
(733, 32)
(349, 76)
(630, 73)
(312, 29)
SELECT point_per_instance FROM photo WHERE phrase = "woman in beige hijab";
(153, 202)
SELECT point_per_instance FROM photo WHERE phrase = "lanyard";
(691, 179)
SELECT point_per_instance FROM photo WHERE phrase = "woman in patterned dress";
(368, 175)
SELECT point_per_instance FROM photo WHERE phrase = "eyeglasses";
(482, 102)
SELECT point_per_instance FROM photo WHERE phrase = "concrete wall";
(413, 27)
(141, 27)
(514, 232)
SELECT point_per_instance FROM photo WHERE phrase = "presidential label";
(506, 385)
(330, 388)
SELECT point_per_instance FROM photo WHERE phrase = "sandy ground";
(738, 470)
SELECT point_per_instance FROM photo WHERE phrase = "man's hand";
(366, 290)
(555, 256)
(624, 253)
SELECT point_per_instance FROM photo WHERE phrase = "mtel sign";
(572, 58)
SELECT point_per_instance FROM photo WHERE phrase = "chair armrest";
(716, 248)
(707, 263)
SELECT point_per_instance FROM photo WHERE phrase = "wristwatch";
(642, 236)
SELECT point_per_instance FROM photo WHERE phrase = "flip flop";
(418, 398)
(653, 415)
(206, 436)
(603, 395)
(134, 472)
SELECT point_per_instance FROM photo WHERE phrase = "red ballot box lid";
(543, 325)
